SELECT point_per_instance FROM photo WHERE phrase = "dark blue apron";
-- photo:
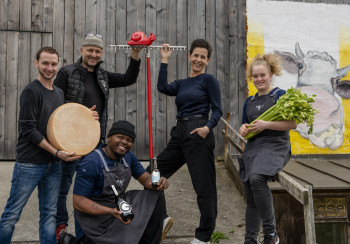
(106, 229)
(267, 152)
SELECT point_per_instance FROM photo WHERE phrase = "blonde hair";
(272, 61)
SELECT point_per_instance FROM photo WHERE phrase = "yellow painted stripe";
(344, 60)
(256, 45)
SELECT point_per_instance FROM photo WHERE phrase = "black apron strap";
(274, 96)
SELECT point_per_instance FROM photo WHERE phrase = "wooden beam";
(298, 191)
(233, 130)
(232, 165)
(309, 219)
(226, 138)
(230, 139)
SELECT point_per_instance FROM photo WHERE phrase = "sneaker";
(66, 238)
(268, 239)
(167, 224)
(59, 229)
(196, 241)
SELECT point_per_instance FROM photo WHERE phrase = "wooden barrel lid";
(72, 128)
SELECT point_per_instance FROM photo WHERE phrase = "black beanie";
(123, 127)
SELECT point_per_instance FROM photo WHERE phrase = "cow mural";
(318, 74)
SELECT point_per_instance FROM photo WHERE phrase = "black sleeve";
(28, 118)
(61, 81)
(127, 79)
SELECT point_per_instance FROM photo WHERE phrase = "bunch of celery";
(293, 105)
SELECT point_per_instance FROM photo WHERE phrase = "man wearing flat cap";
(87, 83)
(94, 199)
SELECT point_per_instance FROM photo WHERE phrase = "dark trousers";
(198, 154)
(259, 208)
(68, 170)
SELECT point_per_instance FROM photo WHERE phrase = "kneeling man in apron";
(94, 200)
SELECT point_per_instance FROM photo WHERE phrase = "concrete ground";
(181, 205)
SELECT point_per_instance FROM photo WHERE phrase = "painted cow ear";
(343, 89)
(289, 62)
(343, 71)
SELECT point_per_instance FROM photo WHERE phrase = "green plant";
(217, 236)
(293, 105)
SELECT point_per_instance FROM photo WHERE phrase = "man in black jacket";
(87, 83)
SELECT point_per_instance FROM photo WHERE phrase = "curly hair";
(203, 44)
(272, 61)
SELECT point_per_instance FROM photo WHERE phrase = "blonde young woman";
(266, 153)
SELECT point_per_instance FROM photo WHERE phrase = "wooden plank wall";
(25, 26)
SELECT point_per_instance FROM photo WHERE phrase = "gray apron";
(267, 152)
(106, 229)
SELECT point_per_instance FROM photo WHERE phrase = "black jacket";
(70, 79)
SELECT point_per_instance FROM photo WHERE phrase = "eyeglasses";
(95, 35)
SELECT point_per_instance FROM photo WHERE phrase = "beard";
(86, 62)
(88, 65)
(116, 154)
(44, 76)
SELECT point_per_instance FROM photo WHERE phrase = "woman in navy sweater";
(192, 139)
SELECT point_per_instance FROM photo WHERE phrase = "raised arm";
(127, 79)
(163, 86)
(135, 53)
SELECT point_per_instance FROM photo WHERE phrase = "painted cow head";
(318, 74)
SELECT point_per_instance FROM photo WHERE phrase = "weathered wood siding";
(25, 26)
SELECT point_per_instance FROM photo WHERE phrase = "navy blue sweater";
(196, 95)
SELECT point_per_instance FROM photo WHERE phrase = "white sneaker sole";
(167, 227)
